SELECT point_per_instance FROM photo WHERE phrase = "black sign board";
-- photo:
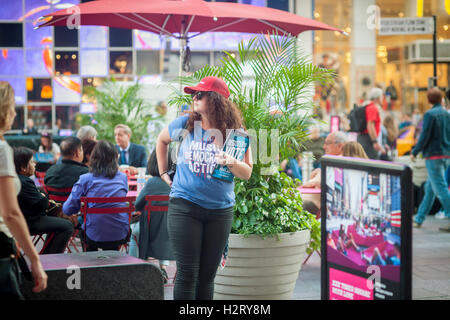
(366, 217)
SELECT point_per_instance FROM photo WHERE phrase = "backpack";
(357, 118)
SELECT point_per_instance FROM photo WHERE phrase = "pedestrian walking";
(434, 143)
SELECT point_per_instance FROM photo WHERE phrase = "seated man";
(65, 174)
(333, 145)
(130, 154)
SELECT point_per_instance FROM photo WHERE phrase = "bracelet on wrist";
(165, 172)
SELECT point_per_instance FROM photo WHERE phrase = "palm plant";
(274, 99)
(118, 103)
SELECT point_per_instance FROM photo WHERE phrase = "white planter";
(261, 269)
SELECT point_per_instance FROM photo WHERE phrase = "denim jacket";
(434, 139)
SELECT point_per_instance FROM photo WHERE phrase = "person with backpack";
(368, 134)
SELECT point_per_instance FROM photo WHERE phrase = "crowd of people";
(195, 230)
(378, 141)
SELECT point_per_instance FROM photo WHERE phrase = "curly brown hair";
(222, 113)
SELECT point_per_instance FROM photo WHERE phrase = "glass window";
(18, 85)
(172, 66)
(36, 8)
(65, 37)
(41, 115)
(66, 62)
(219, 55)
(11, 62)
(88, 83)
(147, 62)
(67, 89)
(93, 37)
(120, 37)
(39, 90)
(259, 3)
(11, 34)
(120, 62)
(226, 40)
(11, 10)
(36, 65)
(278, 4)
(18, 121)
(147, 40)
(93, 62)
(202, 42)
(65, 116)
(88, 108)
(38, 38)
(199, 60)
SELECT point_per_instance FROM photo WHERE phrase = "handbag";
(54, 209)
(12, 265)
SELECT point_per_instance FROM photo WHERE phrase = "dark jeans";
(91, 245)
(62, 229)
(366, 141)
(198, 237)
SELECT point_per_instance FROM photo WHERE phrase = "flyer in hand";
(235, 145)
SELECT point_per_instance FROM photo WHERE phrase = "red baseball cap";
(210, 84)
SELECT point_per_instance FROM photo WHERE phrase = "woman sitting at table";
(35, 205)
(48, 146)
(154, 237)
(105, 231)
(88, 147)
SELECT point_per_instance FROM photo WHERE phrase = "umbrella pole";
(180, 65)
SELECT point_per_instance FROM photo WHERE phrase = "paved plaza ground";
(430, 268)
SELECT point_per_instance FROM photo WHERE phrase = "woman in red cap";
(200, 211)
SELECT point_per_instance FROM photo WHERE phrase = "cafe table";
(310, 194)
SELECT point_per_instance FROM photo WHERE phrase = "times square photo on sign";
(366, 209)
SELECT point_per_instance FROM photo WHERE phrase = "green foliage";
(119, 103)
(272, 205)
(275, 97)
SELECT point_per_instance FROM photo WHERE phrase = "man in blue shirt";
(130, 154)
(434, 143)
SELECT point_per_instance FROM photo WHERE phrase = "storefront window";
(408, 62)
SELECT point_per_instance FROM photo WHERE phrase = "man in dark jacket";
(130, 154)
(434, 143)
(65, 174)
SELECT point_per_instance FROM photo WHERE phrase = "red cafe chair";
(149, 208)
(40, 237)
(129, 208)
(60, 195)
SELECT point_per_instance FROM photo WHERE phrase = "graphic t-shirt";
(195, 164)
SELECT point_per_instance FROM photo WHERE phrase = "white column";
(363, 50)
(304, 8)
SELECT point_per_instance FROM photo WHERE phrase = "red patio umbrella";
(177, 18)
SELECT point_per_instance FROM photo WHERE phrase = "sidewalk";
(431, 267)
